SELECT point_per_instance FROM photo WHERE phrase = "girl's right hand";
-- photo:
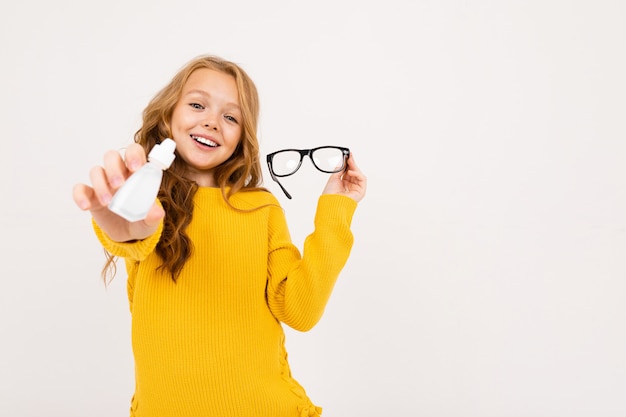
(105, 181)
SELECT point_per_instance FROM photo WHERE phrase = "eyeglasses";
(328, 159)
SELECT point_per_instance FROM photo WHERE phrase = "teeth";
(205, 141)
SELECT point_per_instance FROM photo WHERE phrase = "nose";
(210, 121)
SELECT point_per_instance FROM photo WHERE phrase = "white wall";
(488, 274)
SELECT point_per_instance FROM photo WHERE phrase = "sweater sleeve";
(299, 286)
(136, 250)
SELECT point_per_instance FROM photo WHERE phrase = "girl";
(212, 272)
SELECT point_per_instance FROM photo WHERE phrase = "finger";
(355, 176)
(134, 157)
(115, 169)
(155, 215)
(355, 181)
(352, 165)
(83, 196)
(353, 170)
(100, 184)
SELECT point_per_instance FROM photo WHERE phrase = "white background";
(488, 273)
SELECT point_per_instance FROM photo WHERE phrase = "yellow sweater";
(212, 344)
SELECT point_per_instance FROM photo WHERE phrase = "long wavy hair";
(241, 172)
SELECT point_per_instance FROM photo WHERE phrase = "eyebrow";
(205, 94)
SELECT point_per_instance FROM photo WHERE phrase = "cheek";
(180, 122)
(234, 134)
(181, 119)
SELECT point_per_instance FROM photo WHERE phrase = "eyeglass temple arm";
(276, 180)
(283, 188)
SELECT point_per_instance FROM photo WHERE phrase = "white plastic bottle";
(135, 197)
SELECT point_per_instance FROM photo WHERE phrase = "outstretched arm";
(299, 286)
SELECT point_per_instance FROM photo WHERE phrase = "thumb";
(154, 216)
(146, 227)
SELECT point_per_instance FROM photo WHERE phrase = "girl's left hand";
(351, 182)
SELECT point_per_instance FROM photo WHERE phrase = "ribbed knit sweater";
(212, 343)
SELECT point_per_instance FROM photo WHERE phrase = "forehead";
(214, 84)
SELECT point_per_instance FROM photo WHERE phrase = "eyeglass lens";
(286, 162)
(328, 159)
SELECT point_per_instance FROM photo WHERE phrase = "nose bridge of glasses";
(309, 153)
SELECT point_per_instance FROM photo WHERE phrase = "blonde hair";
(241, 172)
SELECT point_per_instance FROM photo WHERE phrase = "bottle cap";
(163, 153)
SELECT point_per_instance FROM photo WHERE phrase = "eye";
(231, 119)
(197, 106)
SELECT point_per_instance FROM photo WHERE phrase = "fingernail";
(105, 198)
(83, 204)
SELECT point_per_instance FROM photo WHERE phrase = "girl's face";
(206, 123)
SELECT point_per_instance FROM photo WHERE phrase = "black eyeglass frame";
(303, 153)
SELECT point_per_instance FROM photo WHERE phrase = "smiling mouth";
(205, 142)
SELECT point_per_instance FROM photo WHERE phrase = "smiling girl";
(212, 272)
